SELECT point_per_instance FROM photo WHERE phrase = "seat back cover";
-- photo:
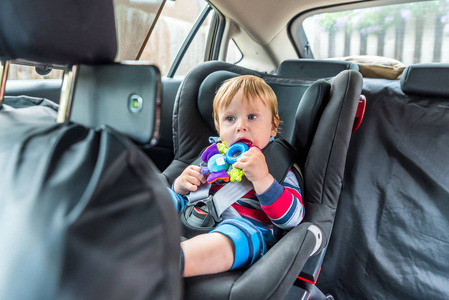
(390, 236)
(84, 214)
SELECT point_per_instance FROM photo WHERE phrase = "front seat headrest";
(85, 32)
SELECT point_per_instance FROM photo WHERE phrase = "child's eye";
(230, 119)
(252, 117)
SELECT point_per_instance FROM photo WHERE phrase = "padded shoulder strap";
(280, 156)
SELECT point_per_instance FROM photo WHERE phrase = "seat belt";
(224, 197)
(279, 156)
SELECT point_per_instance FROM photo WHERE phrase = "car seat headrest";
(428, 79)
(206, 94)
(299, 103)
(289, 93)
(58, 31)
(313, 68)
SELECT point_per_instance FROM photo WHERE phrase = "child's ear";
(274, 129)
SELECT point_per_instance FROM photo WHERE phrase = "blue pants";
(247, 238)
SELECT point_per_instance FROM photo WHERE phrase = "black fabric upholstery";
(390, 236)
(41, 88)
(426, 80)
(313, 68)
(83, 211)
(269, 278)
(323, 173)
(207, 93)
(26, 101)
(312, 104)
(290, 93)
(62, 32)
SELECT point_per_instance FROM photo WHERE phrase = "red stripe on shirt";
(279, 207)
(255, 214)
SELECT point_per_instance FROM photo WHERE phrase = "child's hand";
(253, 164)
(189, 180)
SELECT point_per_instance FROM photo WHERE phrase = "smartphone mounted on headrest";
(124, 96)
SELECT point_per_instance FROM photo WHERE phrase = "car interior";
(89, 146)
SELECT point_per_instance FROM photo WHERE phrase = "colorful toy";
(218, 161)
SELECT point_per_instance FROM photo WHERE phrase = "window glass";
(134, 19)
(173, 26)
(411, 32)
(22, 72)
(234, 55)
(196, 50)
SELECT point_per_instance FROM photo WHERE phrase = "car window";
(233, 54)
(173, 26)
(21, 72)
(410, 32)
(134, 20)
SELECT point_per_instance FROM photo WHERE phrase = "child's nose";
(242, 125)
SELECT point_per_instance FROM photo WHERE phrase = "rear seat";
(313, 69)
(390, 236)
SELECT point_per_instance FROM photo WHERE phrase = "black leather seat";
(317, 119)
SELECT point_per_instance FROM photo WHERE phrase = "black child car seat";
(317, 119)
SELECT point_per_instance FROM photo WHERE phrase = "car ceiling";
(267, 17)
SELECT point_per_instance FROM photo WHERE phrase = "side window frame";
(215, 37)
(182, 51)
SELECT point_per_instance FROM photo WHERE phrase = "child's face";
(243, 120)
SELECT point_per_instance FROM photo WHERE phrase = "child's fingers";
(191, 187)
(195, 168)
(195, 179)
(195, 172)
(252, 155)
(252, 152)
(192, 178)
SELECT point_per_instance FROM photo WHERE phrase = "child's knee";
(248, 241)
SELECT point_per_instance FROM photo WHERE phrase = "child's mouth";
(245, 141)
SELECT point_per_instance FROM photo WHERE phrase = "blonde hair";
(252, 87)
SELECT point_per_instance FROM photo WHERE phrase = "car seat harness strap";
(203, 211)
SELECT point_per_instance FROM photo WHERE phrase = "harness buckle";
(201, 213)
